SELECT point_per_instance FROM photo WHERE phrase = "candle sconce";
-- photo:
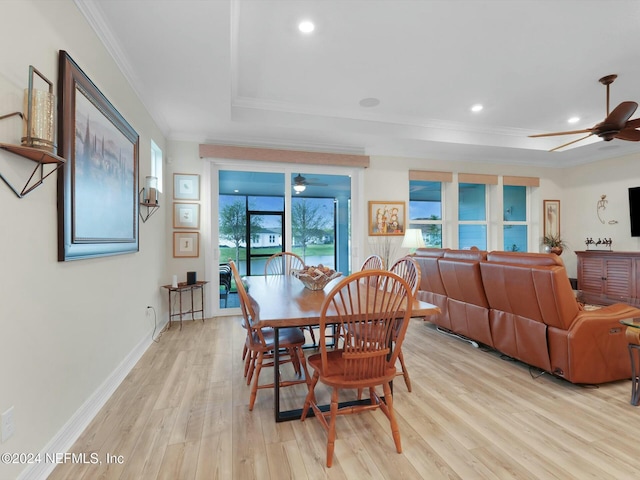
(38, 141)
(149, 198)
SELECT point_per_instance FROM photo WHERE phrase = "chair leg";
(251, 358)
(405, 372)
(331, 439)
(395, 430)
(254, 385)
(244, 351)
(303, 362)
(311, 397)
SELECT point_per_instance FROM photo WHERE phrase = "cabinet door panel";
(618, 275)
(592, 272)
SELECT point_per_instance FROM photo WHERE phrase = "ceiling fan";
(300, 183)
(615, 125)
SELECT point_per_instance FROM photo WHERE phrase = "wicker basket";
(315, 281)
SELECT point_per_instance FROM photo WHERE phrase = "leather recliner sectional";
(522, 304)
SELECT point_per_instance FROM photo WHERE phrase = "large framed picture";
(186, 244)
(551, 218)
(186, 215)
(386, 218)
(186, 186)
(98, 185)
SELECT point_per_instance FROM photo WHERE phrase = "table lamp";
(413, 239)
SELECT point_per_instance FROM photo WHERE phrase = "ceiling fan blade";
(569, 143)
(630, 134)
(617, 119)
(570, 132)
(635, 123)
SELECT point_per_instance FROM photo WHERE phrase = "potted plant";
(553, 244)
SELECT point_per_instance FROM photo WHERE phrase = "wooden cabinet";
(610, 274)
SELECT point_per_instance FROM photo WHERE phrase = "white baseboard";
(74, 427)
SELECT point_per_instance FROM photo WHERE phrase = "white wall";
(65, 327)
(582, 188)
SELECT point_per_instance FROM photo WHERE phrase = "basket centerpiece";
(316, 278)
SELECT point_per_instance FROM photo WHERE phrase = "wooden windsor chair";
(408, 269)
(368, 318)
(260, 345)
(373, 262)
(284, 263)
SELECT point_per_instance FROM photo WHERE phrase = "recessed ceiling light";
(369, 102)
(477, 108)
(574, 120)
(306, 26)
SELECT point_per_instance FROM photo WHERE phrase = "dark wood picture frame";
(98, 186)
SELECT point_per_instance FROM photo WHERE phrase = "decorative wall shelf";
(40, 157)
(151, 208)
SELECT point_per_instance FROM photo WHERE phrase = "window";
(156, 164)
(515, 226)
(425, 210)
(472, 216)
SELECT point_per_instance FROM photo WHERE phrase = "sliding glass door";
(261, 213)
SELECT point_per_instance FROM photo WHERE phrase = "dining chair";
(365, 356)
(284, 263)
(373, 262)
(408, 269)
(261, 343)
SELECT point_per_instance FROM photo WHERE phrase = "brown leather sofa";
(522, 305)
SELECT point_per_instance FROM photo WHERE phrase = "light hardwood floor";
(182, 414)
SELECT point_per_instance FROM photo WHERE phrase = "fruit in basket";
(316, 277)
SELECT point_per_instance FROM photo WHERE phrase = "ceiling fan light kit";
(615, 125)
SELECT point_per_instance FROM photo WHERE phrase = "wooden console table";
(179, 290)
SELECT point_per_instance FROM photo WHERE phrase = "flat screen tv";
(634, 210)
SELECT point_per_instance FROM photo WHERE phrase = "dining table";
(282, 301)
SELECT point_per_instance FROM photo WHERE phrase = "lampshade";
(413, 238)
(299, 187)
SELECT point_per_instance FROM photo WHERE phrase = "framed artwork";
(551, 217)
(186, 215)
(186, 186)
(186, 244)
(98, 185)
(386, 218)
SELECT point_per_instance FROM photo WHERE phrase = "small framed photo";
(551, 218)
(186, 215)
(186, 244)
(186, 186)
(386, 218)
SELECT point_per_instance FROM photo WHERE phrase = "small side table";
(633, 337)
(179, 290)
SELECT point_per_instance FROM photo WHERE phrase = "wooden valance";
(283, 156)
(430, 176)
(477, 178)
(521, 181)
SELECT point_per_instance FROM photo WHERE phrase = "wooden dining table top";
(284, 301)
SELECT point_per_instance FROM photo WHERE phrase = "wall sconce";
(38, 141)
(413, 239)
(149, 198)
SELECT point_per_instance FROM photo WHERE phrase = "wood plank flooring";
(182, 413)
